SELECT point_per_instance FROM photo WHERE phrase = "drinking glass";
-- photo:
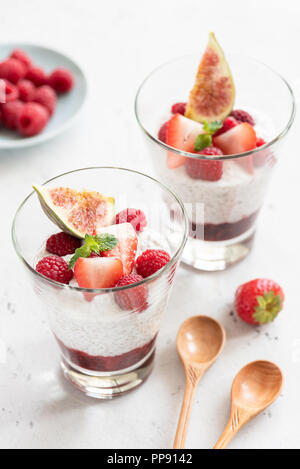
(105, 350)
(222, 214)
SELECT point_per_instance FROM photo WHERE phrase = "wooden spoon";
(200, 341)
(254, 388)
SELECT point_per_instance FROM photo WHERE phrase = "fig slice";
(76, 212)
(213, 95)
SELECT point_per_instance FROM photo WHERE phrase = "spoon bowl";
(200, 341)
(257, 385)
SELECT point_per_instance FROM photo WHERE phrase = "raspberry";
(134, 298)
(179, 108)
(131, 215)
(228, 124)
(10, 114)
(12, 70)
(46, 97)
(151, 261)
(260, 142)
(32, 119)
(61, 80)
(207, 170)
(11, 92)
(62, 244)
(162, 134)
(0, 117)
(20, 55)
(55, 268)
(94, 254)
(36, 75)
(242, 116)
(26, 90)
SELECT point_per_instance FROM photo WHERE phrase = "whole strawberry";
(259, 301)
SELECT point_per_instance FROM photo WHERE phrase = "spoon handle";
(238, 418)
(226, 437)
(192, 380)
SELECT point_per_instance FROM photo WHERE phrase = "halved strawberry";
(98, 272)
(126, 247)
(239, 139)
(181, 134)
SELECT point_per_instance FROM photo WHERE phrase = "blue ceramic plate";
(68, 105)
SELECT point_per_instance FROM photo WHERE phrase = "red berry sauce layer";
(100, 363)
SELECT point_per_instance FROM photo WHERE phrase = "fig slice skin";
(76, 212)
(213, 95)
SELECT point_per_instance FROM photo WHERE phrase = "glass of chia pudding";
(102, 246)
(216, 146)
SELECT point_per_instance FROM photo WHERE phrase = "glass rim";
(214, 157)
(147, 280)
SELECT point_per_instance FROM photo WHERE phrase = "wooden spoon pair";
(200, 341)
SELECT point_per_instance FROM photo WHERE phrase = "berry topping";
(162, 134)
(260, 142)
(37, 75)
(259, 301)
(181, 134)
(33, 119)
(207, 170)
(12, 70)
(240, 139)
(151, 261)
(242, 116)
(10, 114)
(98, 272)
(11, 92)
(61, 80)
(45, 96)
(26, 90)
(228, 124)
(126, 247)
(20, 55)
(55, 268)
(131, 215)
(133, 298)
(62, 244)
(179, 108)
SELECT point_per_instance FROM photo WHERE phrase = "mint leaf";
(211, 127)
(202, 141)
(83, 251)
(97, 244)
(106, 241)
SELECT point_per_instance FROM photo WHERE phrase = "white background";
(118, 42)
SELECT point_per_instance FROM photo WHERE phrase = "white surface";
(117, 43)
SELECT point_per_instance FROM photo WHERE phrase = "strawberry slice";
(98, 272)
(126, 247)
(181, 134)
(239, 139)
